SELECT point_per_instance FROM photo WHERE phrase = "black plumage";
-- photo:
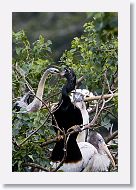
(80, 156)
(67, 115)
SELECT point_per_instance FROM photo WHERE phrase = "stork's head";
(98, 142)
(78, 97)
(78, 100)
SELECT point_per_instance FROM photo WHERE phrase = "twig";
(111, 137)
(49, 142)
(51, 113)
(78, 82)
(21, 73)
(69, 133)
(97, 115)
(55, 94)
(107, 82)
(26, 139)
(96, 112)
(110, 113)
(105, 96)
(65, 151)
(15, 143)
(109, 106)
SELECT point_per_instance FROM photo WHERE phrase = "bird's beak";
(105, 148)
(56, 71)
(62, 73)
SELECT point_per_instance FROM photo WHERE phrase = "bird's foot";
(59, 137)
(75, 128)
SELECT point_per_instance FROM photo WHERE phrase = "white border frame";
(6, 174)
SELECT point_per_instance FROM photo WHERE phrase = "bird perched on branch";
(93, 156)
(86, 93)
(76, 155)
(67, 115)
(36, 104)
(101, 159)
(78, 101)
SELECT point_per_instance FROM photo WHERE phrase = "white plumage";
(78, 101)
(87, 151)
(93, 159)
(36, 104)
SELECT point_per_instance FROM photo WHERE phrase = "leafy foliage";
(92, 55)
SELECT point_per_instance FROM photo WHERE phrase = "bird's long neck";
(69, 86)
(41, 84)
(81, 105)
(81, 136)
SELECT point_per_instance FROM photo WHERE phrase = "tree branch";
(111, 137)
(22, 74)
(33, 165)
(26, 139)
(78, 82)
(49, 142)
(65, 151)
(105, 96)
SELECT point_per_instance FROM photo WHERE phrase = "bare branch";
(96, 112)
(33, 165)
(105, 109)
(65, 151)
(112, 136)
(49, 142)
(51, 113)
(15, 143)
(22, 74)
(105, 96)
(26, 139)
(78, 82)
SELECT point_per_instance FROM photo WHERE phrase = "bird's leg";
(59, 136)
(76, 128)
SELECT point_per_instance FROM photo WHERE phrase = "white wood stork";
(36, 104)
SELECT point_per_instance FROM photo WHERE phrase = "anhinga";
(67, 115)
(78, 154)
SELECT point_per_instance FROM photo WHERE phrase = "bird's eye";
(87, 96)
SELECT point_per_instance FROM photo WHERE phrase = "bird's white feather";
(98, 163)
(81, 105)
(87, 151)
(69, 167)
